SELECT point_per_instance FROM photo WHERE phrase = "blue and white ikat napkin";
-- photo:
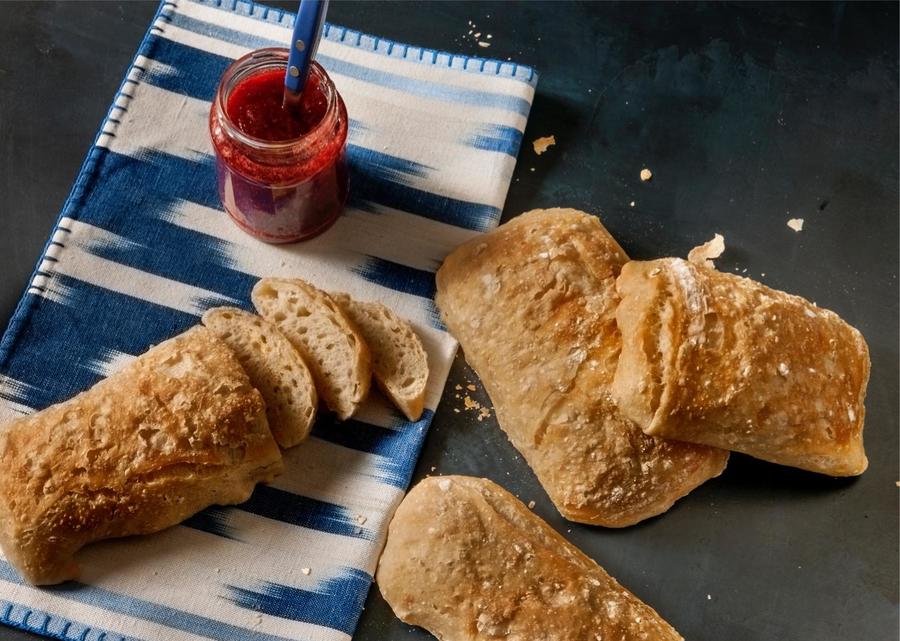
(142, 248)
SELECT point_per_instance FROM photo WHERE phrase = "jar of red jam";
(281, 171)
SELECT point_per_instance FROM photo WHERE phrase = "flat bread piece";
(723, 360)
(533, 305)
(468, 562)
(275, 368)
(329, 343)
(178, 429)
(399, 361)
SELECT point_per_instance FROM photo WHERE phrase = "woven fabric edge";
(384, 46)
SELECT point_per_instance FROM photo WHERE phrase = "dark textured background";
(748, 115)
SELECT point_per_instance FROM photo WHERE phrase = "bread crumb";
(458, 387)
(532, 169)
(783, 369)
(361, 519)
(531, 505)
(542, 144)
(484, 44)
(305, 571)
(704, 254)
(483, 413)
(456, 410)
(477, 35)
(470, 403)
(646, 174)
(631, 204)
(898, 483)
(470, 387)
(796, 224)
(445, 484)
(709, 597)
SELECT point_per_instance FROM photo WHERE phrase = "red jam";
(282, 172)
(256, 107)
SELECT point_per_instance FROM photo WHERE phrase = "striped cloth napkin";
(142, 248)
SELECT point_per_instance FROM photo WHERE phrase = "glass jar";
(279, 180)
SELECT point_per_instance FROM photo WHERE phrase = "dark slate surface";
(748, 115)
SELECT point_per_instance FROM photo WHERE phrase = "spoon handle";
(304, 43)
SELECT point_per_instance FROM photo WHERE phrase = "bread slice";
(275, 368)
(533, 306)
(399, 362)
(468, 562)
(335, 352)
(176, 430)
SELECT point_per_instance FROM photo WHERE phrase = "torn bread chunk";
(704, 254)
(725, 361)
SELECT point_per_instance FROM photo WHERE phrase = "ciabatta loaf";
(718, 359)
(533, 305)
(468, 562)
(399, 362)
(178, 429)
(335, 352)
(275, 368)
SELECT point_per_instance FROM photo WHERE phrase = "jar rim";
(250, 63)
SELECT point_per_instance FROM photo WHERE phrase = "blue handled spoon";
(304, 43)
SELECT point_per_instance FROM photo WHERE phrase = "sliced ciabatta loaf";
(335, 352)
(399, 362)
(178, 429)
(275, 368)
